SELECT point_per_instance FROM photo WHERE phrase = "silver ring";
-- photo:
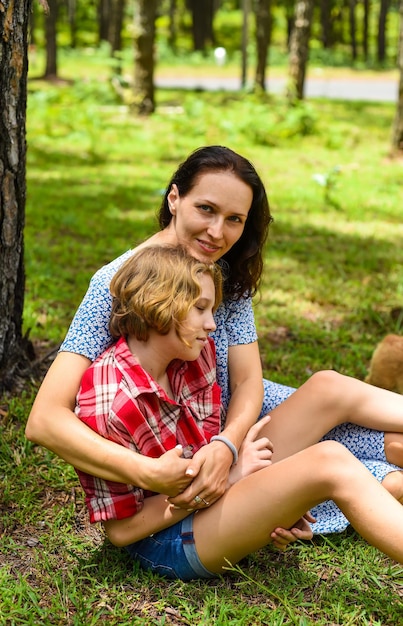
(205, 502)
(198, 499)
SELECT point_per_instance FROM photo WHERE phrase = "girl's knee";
(332, 454)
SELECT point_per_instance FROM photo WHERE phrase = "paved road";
(381, 90)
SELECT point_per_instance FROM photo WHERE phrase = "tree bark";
(143, 90)
(263, 38)
(245, 41)
(202, 23)
(353, 29)
(326, 23)
(172, 25)
(365, 28)
(381, 40)
(299, 49)
(104, 8)
(397, 136)
(51, 41)
(14, 21)
(116, 25)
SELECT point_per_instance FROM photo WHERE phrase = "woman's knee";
(394, 448)
(393, 482)
(327, 385)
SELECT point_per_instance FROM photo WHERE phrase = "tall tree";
(245, 41)
(51, 40)
(263, 37)
(202, 22)
(299, 49)
(117, 9)
(143, 89)
(397, 136)
(326, 22)
(365, 28)
(14, 18)
(353, 29)
(104, 8)
(382, 20)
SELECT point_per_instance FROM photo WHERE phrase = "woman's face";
(211, 218)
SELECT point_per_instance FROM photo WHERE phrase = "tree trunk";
(14, 19)
(72, 14)
(326, 23)
(172, 25)
(116, 25)
(51, 42)
(143, 90)
(299, 49)
(383, 14)
(365, 29)
(263, 37)
(352, 25)
(104, 8)
(202, 23)
(397, 136)
(245, 41)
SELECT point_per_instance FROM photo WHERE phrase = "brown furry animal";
(386, 368)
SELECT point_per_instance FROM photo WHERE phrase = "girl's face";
(211, 218)
(197, 326)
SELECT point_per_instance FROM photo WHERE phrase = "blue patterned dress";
(89, 335)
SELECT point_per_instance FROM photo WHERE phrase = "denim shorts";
(171, 553)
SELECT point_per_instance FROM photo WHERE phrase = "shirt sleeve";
(240, 322)
(89, 334)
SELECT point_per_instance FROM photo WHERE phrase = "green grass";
(333, 275)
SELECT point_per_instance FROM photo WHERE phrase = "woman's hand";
(281, 537)
(209, 470)
(255, 453)
(169, 473)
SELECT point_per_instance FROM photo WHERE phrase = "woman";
(154, 391)
(216, 206)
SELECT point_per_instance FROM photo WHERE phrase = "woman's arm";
(155, 515)
(53, 424)
(212, 463)
(246, 382)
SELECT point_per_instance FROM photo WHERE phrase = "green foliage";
(333, 276)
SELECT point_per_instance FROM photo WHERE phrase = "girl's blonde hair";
(156, 288)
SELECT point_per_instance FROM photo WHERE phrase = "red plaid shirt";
(120, 401)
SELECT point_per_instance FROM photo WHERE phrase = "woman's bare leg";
(326, 400)
(242, 520)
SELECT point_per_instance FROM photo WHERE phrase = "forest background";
(333, 286)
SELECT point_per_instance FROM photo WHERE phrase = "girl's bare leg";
(242, 520)
(326, 400)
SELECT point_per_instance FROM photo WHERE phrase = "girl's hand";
(281, 537)
(254, 454)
